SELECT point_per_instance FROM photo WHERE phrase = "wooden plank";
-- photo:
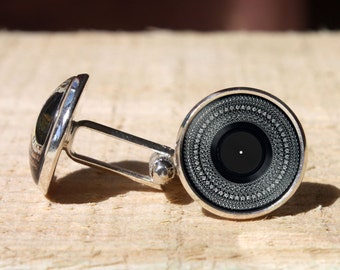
(145, 83)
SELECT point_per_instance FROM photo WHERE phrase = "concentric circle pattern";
(224, 194)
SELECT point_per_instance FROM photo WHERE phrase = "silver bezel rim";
(58, 132)
(233, 214)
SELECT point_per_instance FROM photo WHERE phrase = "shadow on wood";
(308, 197)
(93, 185)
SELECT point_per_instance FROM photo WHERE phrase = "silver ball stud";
(162, 168)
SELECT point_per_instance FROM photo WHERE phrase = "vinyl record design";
(241, 153)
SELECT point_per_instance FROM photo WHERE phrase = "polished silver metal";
(220, 210)
(55, 131)
(161, 168)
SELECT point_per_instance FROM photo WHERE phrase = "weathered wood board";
(145, 83)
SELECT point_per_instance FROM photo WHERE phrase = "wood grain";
(145, 83)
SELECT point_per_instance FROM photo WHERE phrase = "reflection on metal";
(55, 130)
(195, 159)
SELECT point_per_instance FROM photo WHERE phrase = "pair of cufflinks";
(240, 152)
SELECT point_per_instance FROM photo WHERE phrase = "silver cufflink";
(240, 152)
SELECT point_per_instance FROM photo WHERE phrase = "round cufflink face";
(51, 129)
(241, 153)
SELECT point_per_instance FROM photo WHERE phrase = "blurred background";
(199, 15)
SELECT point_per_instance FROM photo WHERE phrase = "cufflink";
(240, 152)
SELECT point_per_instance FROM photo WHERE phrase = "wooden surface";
(145, 84)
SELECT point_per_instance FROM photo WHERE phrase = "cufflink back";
(240, 152)
(55, 129)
